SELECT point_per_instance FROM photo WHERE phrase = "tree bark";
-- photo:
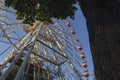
(103, 23)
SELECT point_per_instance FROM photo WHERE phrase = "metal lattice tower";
(43, 52)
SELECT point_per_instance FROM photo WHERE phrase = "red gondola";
(86, 74)
(73, 31)
(82, 56)
(68, 24)
(80, 47)
(85, 64)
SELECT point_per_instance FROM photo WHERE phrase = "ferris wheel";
(44, 51)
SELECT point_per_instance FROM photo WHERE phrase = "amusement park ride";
(44, 51)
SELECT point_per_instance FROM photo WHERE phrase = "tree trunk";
(103, 23)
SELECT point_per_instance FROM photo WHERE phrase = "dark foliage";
(44, 10)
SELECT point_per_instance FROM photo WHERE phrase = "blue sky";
(79, 24)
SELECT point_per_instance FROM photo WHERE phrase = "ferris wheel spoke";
(50, 44)
(7, 10)
(3, 22)
(71, 64)
(5, 42)
(55, 32)
(59, 46)
(65, 47)
(74, 69)
(69, 73)
(4, 33)
(26, 71)
(67, 41)
(53, 56)
(5, 50)
(23, 65)
(10, 56)
(52, 49)
(44, 58)
(11, 38)
(56, 40)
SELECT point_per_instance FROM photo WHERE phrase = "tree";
(103, 23)
(44, 10)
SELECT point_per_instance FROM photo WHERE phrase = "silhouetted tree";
(103, 23)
